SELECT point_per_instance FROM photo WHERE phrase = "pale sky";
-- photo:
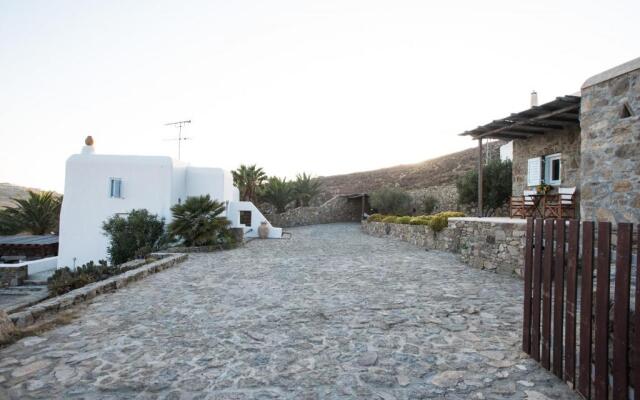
(325, 87)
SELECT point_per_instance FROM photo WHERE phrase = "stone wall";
(447, 196)
(487, 243)
(338, 209)
(610, 174)
(566, 142)
(13, 276)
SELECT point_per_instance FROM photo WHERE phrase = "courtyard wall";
(493, 244)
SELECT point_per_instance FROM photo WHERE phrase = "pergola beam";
(524, 122)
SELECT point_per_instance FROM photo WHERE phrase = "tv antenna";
(180, 139)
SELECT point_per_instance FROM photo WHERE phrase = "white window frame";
(548, 160)
(111, 187)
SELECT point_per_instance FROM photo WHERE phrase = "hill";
(9, 191)
(438, 172)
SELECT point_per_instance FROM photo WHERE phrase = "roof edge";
(611, 73)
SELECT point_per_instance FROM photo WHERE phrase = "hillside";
(441, 171)
(9, 191)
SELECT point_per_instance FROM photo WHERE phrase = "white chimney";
(534, 99)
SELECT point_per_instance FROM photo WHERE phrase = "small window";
(552, 169)
(626, 111)
(245, 218)
(115, 187)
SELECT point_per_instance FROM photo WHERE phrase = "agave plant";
(305, 188)
(249, 180)
(38, 214)
(197, 221)
(278, 192)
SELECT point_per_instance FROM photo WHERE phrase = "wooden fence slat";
(586, 287)
(601, 339)
(547, 271)
(558, 297)
(528, 260)
(620, 364)
(536, 286)
(570, 311)
(635, 340)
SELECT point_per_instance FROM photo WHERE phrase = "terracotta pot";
(263, 230)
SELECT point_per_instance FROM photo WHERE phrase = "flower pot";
(263, 230)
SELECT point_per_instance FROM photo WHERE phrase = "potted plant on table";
(543, 188)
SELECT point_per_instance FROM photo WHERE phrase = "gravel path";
(329, 314)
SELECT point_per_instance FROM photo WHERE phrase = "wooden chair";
(561, 205)
(522, 206)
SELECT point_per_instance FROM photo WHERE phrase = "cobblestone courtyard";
(330, 314)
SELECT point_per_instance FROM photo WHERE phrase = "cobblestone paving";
(330, 314)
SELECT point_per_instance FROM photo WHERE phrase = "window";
(245, 218)
(534, 171)
(552, 169)
(547, 169)
(115, 187)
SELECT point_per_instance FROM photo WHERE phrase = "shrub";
(65, 280)
(420, 220)
(135, 235)
(375, 218)
(436, 222)
(496, 186)
(429, 204)
(197, 222)
(391, 201)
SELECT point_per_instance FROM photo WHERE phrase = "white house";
(99, 186)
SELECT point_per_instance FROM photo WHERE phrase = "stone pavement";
(330, 314)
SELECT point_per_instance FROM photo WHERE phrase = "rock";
(368, 359)
(533, 395)
(526, 383)
(505, 388)
(30, 368)
(7, 329)
(493, 354)
(403, 380)
(447, 378)
(32, 341)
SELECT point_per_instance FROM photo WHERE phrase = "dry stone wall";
(485, 244)
(338, 209)
(610, 173)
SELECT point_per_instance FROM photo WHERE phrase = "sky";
(323, 87)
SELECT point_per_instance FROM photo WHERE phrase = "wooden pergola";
(556, 115)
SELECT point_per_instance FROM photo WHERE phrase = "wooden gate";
(567, 324)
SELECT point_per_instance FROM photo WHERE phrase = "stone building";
(589, 140)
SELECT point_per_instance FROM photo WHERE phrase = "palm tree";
(249, 180)
(197, 220)
(38, 214)
(278, 192)
(305, 188)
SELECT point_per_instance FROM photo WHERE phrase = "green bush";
(133, 236)
(391, 201)
(279, 193)
(375, 218)
(197, 222)
(496, 186)
(436, 222)
(65, 280)
(429, 204)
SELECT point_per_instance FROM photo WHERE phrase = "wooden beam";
(480, 165)
(536, 118)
